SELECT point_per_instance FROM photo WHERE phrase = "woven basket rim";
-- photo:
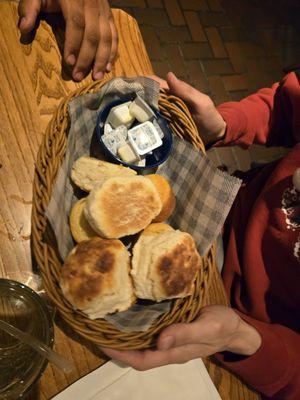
(49, 158)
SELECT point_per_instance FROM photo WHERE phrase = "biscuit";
(95, 277)
(164, 265)
(80, 228)
(166, 195)
(156, 227)
(122, 206)
(88, 172)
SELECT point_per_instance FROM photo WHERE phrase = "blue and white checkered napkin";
(204, 194)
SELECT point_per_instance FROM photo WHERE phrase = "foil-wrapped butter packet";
(113, 141)
(144, 138)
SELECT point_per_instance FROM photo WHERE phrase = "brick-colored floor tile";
(173, 34)
(161, 68)
(129, 3)
(196, 76)
(195, 27)
(215, 5)
(176, 61)
(216, 42)
(152, 43)
(252, 49)
(152, 17)
(155, 3)
(232, 34)
(196, 51)
(236, 56)
(255, 77)
(235, 82)
(227, 49)
(238, 95)
(217, 88)
(217, 67)
(174, 12)
(128, 10)
(214, 19)
(195, 5)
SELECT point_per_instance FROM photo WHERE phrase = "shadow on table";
(57, 24)
(34, 393)
(73, 335)
(214, 367)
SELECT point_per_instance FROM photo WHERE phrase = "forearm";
(248, 121)
(246, 340)
(274, 368)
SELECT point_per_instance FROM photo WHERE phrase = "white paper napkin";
(188, 381)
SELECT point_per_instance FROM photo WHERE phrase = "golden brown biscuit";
(80, 228)
(95, 277)
(157, 227)
(164, 265)
(166, 195)
(122, 206)
(89, 172)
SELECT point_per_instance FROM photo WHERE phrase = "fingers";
(90, 41)
(180, 88)
(28, 11)
(91, 37)
(194, 99)
(146, 359)
(104, 47)
(114, 44)
(179, 335)
(75, 24)
(139, 359)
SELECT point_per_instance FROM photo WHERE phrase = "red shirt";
(262, 261)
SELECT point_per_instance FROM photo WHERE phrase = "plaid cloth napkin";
(203, 193)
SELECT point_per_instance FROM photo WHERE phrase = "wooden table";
(31, 86)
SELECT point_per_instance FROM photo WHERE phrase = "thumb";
(178, 335)
(28, 11)
(180, 88)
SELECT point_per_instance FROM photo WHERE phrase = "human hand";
(91, 40)
(217, 328)
(208, 120)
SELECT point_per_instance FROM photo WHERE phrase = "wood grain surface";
(33, 80)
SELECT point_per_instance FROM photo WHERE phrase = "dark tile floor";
(227, 49)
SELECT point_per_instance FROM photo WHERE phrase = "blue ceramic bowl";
(158, 155)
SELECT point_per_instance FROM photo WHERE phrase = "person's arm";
(248, 121)
(266, 356)
(268, 117)
(274, 369)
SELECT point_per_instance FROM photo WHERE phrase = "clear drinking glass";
(20, 365)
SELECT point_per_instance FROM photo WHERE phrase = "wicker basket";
(50, 156)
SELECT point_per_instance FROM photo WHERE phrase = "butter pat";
(141, 110)
(127, 154)
(120, 115)
(141, 163)
(113, 141)
(107, 129)
(120, 131)
(144, 138)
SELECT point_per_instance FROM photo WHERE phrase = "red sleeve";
(279, 355)
(269, 117)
